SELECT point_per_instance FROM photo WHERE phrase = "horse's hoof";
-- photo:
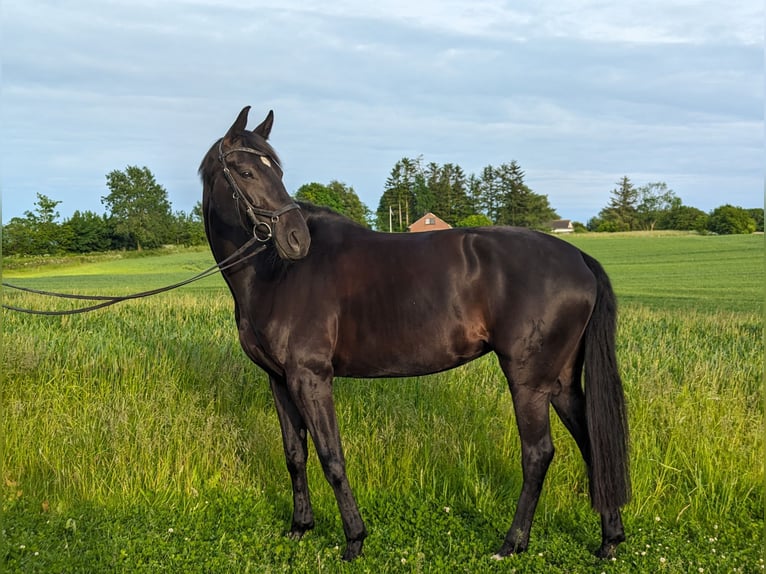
(353, 550)
(510, 548)
(297, 532)
(607, 551)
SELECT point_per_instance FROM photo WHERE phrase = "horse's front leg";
(293, 433)
(311, 388)
(296, 452)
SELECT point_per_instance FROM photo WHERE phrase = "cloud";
(580, 93)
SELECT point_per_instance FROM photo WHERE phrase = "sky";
(578, 92)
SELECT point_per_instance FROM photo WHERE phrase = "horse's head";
(242, 177)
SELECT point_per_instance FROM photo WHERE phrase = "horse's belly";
(407, 354)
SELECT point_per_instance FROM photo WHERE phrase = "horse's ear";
(264, 129)
(239, 124)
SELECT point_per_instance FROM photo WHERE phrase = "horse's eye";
(247, 174)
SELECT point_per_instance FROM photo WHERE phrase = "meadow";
(139, 438)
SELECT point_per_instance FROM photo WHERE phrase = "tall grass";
(123, 404)
(694, 383)
(156, 396)
(154, 400)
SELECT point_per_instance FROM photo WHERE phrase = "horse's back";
(414, 304)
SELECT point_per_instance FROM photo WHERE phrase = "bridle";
(262, 230)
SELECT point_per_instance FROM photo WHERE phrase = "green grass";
(116, 273)
(682, 270)
(140, 439)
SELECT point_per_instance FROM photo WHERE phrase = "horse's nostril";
(294, 241)
(298, 242)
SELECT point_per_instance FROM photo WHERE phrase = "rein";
(107, 300)
(262, 233)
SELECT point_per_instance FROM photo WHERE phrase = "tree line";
(139, 214)
(495, 196)
(654, 206)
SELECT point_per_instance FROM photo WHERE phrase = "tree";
(507, 200)
(445, 187)
(48, 233)
(537, 212)
(18, 237)
(730, 220)
(88, 232)
(38, 232)
(475, 220)
(188, 228)
(398, 202)
(514, 195)
(579, 227)
(197, 221)
(757, 215)
(654, 199)
(489, 194)
(139, 207)
(683, 217)
(319, 194)
(338, 197)
(621, 214)
(474, 192)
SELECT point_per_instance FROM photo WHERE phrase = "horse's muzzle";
(291, 236)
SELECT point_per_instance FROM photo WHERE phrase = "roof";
(429, 222)
(560, 225)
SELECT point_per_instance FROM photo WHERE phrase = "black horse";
(326, 297)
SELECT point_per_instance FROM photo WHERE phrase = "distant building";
(429, 222)
(561, 226)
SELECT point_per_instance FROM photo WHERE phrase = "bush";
(730, 220)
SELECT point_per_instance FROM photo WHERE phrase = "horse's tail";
(605, 401)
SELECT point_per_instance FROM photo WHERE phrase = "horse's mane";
(325, 214)
(207, 165)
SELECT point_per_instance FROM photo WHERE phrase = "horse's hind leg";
(296, 451)
(531, 408)
(569, 404)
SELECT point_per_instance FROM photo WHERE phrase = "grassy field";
(140, 439)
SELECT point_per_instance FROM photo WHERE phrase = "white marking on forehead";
(265, 161)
